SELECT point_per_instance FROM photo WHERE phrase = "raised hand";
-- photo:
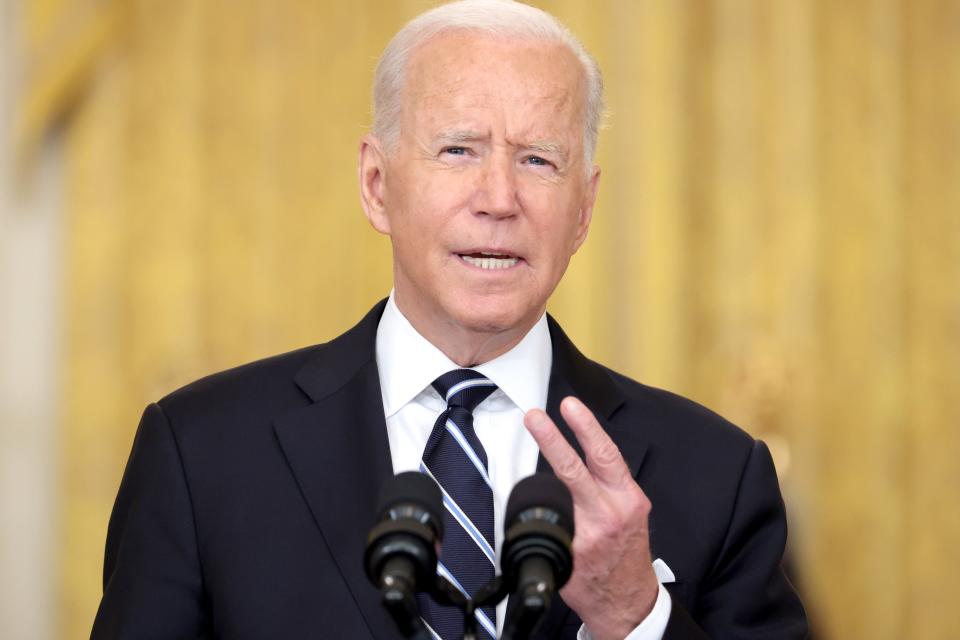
(613, 586)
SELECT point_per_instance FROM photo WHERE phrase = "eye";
(537, 161)
(455, 151)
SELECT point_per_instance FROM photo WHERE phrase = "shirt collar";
(408, 363)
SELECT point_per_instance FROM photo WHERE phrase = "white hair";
(499, 18)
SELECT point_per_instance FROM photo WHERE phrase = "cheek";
(557, 227)
(421, 228)
(433, 211)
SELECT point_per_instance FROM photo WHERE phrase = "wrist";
(617, 622)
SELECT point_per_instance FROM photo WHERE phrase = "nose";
(497, 192)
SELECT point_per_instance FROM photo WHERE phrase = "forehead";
(525, 85)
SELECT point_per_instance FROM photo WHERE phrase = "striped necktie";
(455, 458)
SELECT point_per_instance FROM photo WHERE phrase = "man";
(247, 496)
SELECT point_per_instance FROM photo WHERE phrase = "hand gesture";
(613, 586)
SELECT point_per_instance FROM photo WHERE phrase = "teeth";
(490, 263)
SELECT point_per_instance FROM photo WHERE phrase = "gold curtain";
(777, 236)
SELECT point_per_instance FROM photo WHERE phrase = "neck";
(465, 346)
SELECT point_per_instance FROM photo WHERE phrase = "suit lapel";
(338, 451)
(573, 374)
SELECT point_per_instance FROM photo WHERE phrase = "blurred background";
(777, 236)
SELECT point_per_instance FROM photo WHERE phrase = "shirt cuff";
(652, 627)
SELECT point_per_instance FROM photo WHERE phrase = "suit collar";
(339, 360)
(338, 450)
(573, 374)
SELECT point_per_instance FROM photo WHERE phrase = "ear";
(372, 174)
(586, 209)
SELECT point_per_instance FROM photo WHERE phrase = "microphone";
(401, 554)
(536, 557)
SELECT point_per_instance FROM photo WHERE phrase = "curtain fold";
(777, 236)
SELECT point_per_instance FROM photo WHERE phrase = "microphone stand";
(489, 594)
(527, 612)
(402, 607)
(533, 601)
(530, 608)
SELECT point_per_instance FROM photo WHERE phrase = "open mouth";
(485, 260)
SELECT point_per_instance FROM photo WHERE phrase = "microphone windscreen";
(541, 490)
(411, 487)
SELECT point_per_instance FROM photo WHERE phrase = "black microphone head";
(412, 488)
(402, 546)
(542, 491)
(539, 523)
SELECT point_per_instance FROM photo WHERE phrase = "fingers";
(613, 585)
(564, 460)
(603, 456)
(605, 464)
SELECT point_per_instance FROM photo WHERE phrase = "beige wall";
(29, 363)
(776, 236)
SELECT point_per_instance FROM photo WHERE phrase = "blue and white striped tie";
(456, 460)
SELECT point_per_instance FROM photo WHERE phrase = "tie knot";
(464, 388)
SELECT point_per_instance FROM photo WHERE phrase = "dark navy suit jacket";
(246, 500)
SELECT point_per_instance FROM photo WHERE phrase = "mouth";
(491, 260)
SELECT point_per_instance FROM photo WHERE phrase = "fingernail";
(535, 418)
(572, 404)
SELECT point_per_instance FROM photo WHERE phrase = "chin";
(486, 316)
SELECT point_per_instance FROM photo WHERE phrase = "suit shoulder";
(255, 384)
(256, 393)
(678, 416)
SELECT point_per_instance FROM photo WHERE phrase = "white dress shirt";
(408, 364)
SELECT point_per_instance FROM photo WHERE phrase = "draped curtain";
(777, 236)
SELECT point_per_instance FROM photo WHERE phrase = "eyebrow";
(458, 135)
(547, 146)
(455, 136)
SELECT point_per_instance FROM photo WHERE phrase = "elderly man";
(245, 502)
